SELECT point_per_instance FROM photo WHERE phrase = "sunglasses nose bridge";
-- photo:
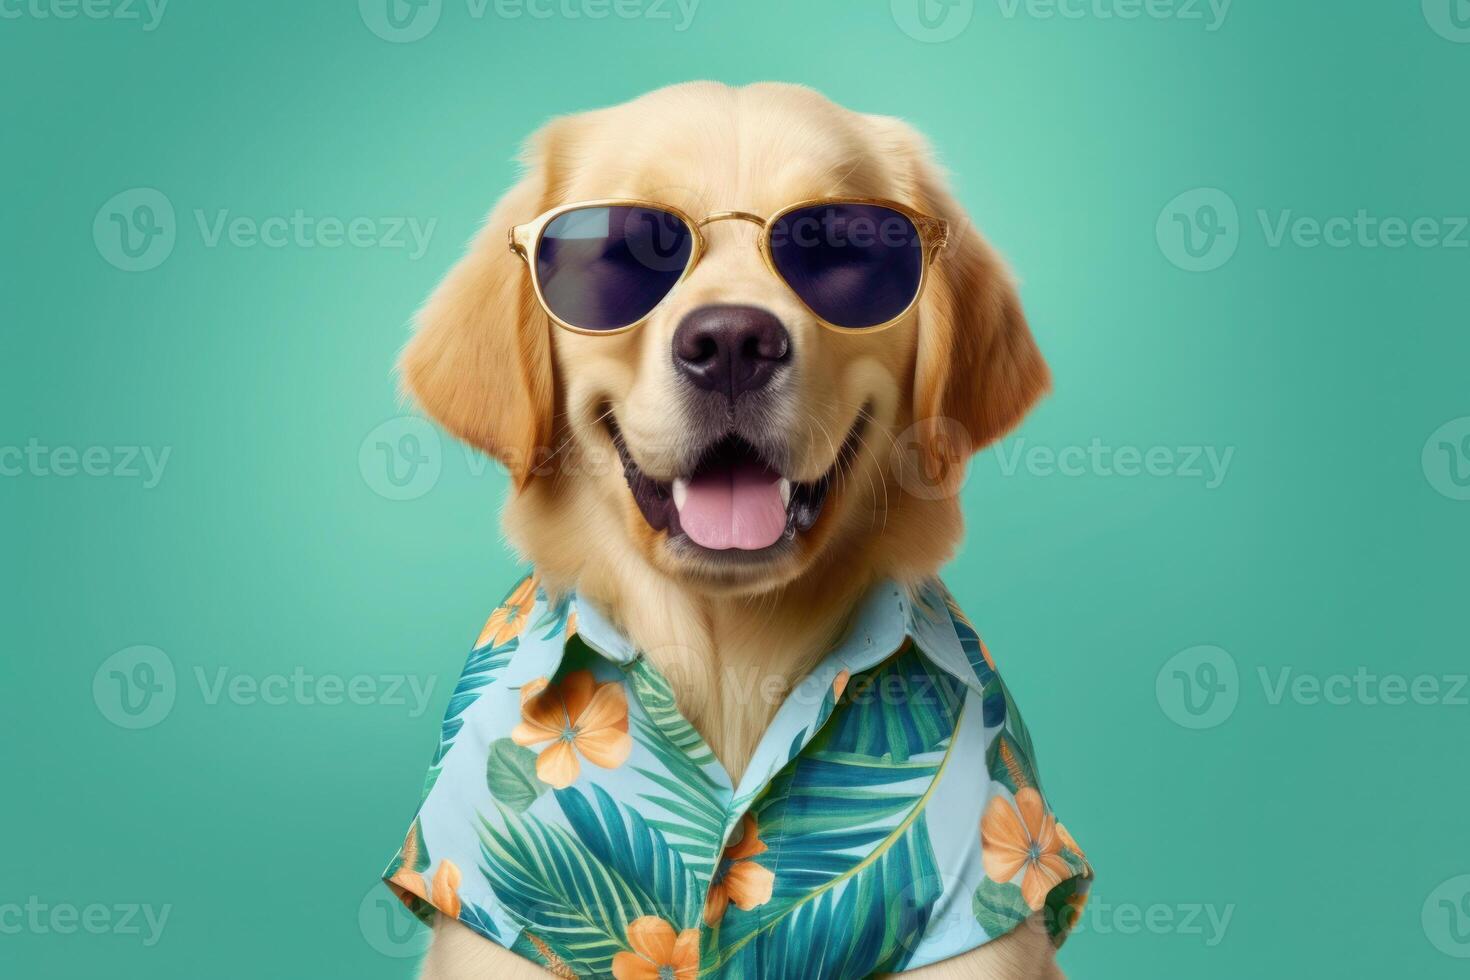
(702, 227)
(732, 216)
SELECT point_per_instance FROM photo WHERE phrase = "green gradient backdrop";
(1336, 539)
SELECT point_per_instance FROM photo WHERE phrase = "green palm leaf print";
(578, 889)
(693, 803)
(481, 669)
(861, 929)
(844, 828)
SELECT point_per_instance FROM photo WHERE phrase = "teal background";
(266, 547)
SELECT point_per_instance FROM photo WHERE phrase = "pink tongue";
(739, 507)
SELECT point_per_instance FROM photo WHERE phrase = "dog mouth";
(732, 499)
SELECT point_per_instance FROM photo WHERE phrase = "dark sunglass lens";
(605, 268)
(855, 265)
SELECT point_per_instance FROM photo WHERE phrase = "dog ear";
(977, 370)
(480, 359)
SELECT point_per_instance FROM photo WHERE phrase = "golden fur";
(954, 376)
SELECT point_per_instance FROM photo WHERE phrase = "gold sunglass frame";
(525, 240)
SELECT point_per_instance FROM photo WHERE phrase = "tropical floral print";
(1023, 839)
(1070, 844)
(509, 618)
(577, 716)
(657, 953)
(405, 878)
(844, 851)
(444, 896)
(492, 652)
(739, 879)
(839, 684)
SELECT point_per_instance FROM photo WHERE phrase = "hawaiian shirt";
(890, 817)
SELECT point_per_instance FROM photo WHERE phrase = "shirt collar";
(887, 615)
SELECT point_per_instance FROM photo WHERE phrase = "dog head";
(732, 441)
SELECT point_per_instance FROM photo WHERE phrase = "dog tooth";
(785, 492)
(681, 493)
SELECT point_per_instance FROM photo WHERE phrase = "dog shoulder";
(457, 953)
(1025, 953)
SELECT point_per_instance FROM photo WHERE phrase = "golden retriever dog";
(861, 433)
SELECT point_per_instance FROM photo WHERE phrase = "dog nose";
(733, 349)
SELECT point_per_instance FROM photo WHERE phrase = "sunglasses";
(602, 267)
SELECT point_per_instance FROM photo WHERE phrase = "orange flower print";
(509, 618)
(1069, 843)
(839, 684)
(954, 608)
(577, 716)
(739, 879)
(1023, 838)
(410, 884)
(658, 954)
(445, 893)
